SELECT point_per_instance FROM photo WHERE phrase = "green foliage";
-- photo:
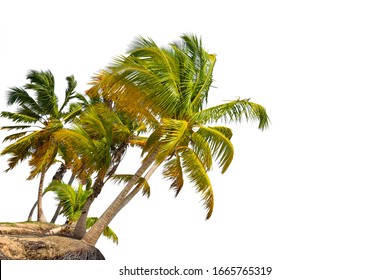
(107, 232)
(72, 201)
(152, 97)
(142, 183)
(172, 84)
(40, 116)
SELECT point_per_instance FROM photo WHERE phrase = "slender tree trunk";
(57, 176)
(60, 173)
(81, 226)
(56, 213)
(41, 216)
(92, 236)
(136, 190)
(59, 207)
(32, 211)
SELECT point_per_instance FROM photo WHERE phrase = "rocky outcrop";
(33, 241)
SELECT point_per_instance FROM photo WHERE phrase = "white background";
(309, 196)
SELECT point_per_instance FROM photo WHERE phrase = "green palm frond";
(152, 78)
(91, 122)
(42, 82)
(173, 171)
(107, 232)
(74, 110)
(142, 183)
(18, 118)
(21, 149)
(220, 145)
(172, 134)
(197, 174)
(19, 96)
(23, 109)
(201, 148)
(94, 154)
(69, 92)
(226, 131)
(14, 136)
(196, 67)
(234, 111)
(72, 200)
(42, 157)
(167, 137)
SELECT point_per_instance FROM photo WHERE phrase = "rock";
(32, 241)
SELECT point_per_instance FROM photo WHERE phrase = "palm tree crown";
(169, 88)
(172, 85)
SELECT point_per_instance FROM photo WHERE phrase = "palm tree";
(72, 202)
(170, 87)
(100, 138)
(37, 117)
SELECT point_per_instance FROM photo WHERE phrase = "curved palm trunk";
(92, 236)
(56, 214)
(32, 211)
(57, 176)
(81, 226)
(41, 216)
(136, 190)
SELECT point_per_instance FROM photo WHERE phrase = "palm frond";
(123, 178)
(18, 118)
(138, 141)
(220, 145)
(69, 92)
(42, 82)
(196, 70)
(173, 172)
(201, 148)
(75, 109)
(107, 232)
(66, 196)
(146, 78)
(172, 134)
(42, 157)
(19, 96)
(72, 200)
(234, 111)
(14, 136)
(21, 149)
(197, 174)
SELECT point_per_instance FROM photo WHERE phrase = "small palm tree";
(170, 87)
(72, 202)
(37, 117)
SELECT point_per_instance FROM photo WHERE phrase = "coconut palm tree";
(169, 87)
(38, 115)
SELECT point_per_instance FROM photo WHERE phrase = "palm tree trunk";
(81, 226)
(57, 176)
(136, 190)
(41, 216)
(92, 236)
(32, 211)
(60, 173)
